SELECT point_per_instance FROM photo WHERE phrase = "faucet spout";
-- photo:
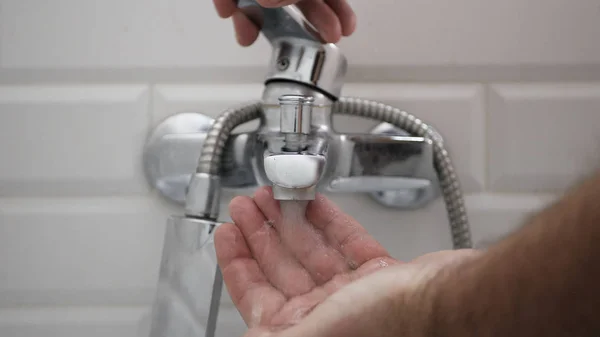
(294, 176)
(295, 171)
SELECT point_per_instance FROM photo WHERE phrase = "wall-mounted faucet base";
(172, 150)
(395, 169)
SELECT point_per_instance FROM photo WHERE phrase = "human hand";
(321, 277)
(332, 18)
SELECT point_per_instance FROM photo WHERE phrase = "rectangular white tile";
(405, 234)
(409, 234)
(79, 251)
(210, 100)
(72, 322)
(91, 251)
(474, 32)
(494, 216)
(543, 137)
(72, 140)
(116, 34)
(455, 111)
(96, 322)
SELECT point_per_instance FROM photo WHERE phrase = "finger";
(250, 291)
(345, 14)
(323, 18)
(246, 32)
(279, 266)
(297, 308)
(225, 8)
(445, 257)
(343, 232)
(276, 3)
(305, 242)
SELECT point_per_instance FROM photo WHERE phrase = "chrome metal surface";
(397, 170)
(376, 183)
(283, 22)
(289, 167)
(172, 151)
(294, 170)
(320, 66)
(186, 283)
(299, 53)
(421, 184)
(203, 196)
(296, 112)
(320, 111)
(294, 176)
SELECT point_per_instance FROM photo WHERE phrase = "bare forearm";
(544, 280)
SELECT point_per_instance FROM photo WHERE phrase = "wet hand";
(332, 18)
(277, 271)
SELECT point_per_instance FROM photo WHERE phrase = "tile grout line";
(485, 104)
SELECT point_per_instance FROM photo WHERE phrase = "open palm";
(277, 272)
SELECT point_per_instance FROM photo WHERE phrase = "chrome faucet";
(402, 163)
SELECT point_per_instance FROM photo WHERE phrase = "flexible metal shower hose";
(210, 162)
(455, 205)
(211, 157)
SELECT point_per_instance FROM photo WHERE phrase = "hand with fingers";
(322, 275)
(332, 18)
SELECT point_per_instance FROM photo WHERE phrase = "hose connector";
(295, 121)
(203, 196)
(293, 172)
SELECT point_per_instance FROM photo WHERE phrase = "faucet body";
(296, 149)
(305, 76)
(294, 144)
(401, 163)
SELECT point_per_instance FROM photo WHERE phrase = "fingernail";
(237, 37)
(236, 17)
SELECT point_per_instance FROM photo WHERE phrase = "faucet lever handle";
(393, 167)
(274, 23)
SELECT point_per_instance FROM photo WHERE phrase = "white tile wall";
(566, 146)
(187, 33)
(61, 140)
(209, 99)
(81, 83)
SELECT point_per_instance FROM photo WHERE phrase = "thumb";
(446, 257)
